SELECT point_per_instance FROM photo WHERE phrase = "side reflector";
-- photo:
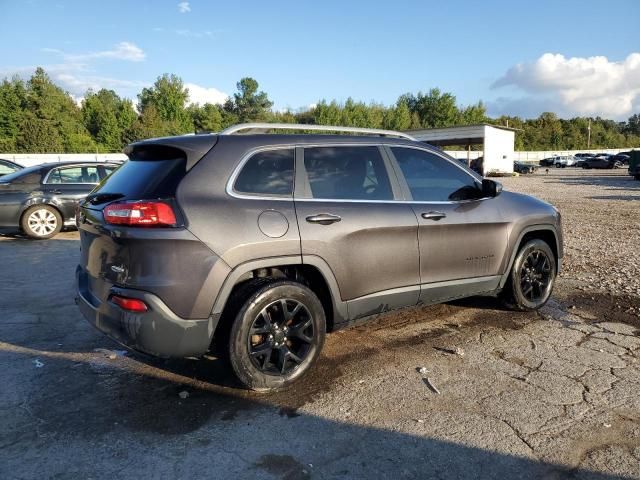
(130, 304)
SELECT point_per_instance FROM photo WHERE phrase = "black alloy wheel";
(532, 277)
(277, 333)
(536, 276)
(280, 337)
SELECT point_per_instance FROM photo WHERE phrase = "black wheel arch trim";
(525, 231)
(340, 311)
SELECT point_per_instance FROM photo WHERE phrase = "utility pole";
(589, 135)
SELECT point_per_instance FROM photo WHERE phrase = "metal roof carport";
(498, 143)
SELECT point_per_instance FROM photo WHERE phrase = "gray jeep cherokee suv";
(256, 245)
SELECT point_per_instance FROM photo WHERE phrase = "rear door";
(462, 236)
(70, 184)
(349, 216)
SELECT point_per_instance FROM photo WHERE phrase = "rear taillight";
(140, 214)
(130, 304)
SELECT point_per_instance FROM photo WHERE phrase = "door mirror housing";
(491, 188)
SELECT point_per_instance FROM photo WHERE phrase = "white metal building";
(498, 143)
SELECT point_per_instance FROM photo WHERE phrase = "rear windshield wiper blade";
(98, 198)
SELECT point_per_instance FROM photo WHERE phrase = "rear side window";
(347, 173)
(6, 168)
(74, 175)
(267, 173)
(432, 178)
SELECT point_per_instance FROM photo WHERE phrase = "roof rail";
(323, 128)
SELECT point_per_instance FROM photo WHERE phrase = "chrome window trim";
(45, 181)
(231, 192)
(247, 156)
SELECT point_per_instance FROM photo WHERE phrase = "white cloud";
(122, 51)
(578, 85)
(202, 95)
(185, 32)
(183, 7)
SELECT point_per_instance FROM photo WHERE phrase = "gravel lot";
(552, 394)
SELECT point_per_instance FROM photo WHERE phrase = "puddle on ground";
(603, 307)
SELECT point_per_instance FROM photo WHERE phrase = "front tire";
(277, 334)
(532, 277)
(41, 222)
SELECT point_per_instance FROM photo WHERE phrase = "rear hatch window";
(152, 172)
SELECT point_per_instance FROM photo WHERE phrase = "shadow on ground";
(98, 411)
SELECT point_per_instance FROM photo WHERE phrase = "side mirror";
(491, 188)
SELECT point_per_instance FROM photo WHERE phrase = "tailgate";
(102, 258)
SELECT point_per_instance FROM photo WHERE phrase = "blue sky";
(574, 57)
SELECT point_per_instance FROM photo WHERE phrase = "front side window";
(74, 175)
(347, 173)
(432, 178)
(267, 173)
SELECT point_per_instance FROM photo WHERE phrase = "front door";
(462, 236)
(349, 217)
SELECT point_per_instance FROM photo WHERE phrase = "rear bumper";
(158, 331)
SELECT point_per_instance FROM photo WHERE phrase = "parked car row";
(559, 161)
(41, 200)
(587, 160)
(603, 161)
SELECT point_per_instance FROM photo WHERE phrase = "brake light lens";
(130, 304)
(140, 214)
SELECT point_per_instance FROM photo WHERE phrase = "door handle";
(56, 191)
(323, 218)
(433, 215)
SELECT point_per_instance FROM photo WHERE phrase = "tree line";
(37, 116)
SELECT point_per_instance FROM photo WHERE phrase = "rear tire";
(532, 277)
(277, 334)
(41, 222)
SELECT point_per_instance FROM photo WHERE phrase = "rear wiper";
(98, 198)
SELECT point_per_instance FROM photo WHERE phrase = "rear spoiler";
(193, 147)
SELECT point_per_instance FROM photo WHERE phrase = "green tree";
(148, 125)
(473, 114)
(12, 105)
(39, 136)
(168, 97)
(54, 119)
(207, 118)
(398, 117)
(633, 125)
(248, 103)
(107, 116)
(434, 109)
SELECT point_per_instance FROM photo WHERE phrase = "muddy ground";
(553, 394)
